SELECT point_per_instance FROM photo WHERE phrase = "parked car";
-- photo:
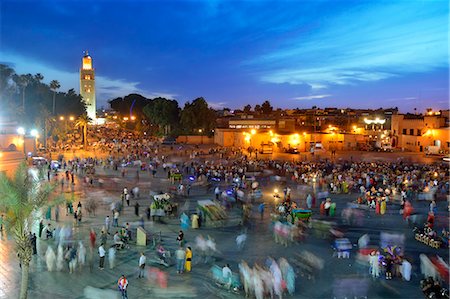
(292, 150)
(169, 141)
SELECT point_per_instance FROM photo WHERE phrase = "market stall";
(215, 215)
(160, 205)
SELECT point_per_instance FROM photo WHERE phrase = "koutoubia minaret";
(87, 85)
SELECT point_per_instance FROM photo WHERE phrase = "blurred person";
(288, 275)
(50, 259)
(180, 238)
(188, 264)
(92, 238)
(246, 277)
(72, 259)
(227, 276)
(240, 240)
(180, 256)
(406, 270)
(112, 257)
(374, 263)
(116, 218)
(81, 254)
(258, 286)
(122, 284)
(101, 254)
(60, 258)
(142, 260)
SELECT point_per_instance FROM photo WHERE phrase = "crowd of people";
(224, 173)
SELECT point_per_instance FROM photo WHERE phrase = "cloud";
(312, 97)
(217, 105)
(367, 43)
(106, 88)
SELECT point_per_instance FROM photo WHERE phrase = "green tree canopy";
(266, 108)
(132, 104)
(163, 113)
(16, 90)
(247, 109)
(22, 196)
(197, 117)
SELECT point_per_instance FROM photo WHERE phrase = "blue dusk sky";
(359, 54)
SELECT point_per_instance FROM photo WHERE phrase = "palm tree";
(83, 121)
(22, 195)
(22, 81)
(38, 77)
(54, 85)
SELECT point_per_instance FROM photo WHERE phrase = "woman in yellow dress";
(187, 265)
(383, 206)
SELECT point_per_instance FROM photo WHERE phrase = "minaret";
(87, 85)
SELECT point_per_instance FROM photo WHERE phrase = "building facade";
(87, 85)
(338, 129)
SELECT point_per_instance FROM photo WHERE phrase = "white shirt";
(226, 272)
(142, 260)
(101, 251)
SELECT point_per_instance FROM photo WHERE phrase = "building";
(417, 132)
(337, 129)
(87, 85)
(15, 144)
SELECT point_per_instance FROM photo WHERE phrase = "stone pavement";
(260, 245)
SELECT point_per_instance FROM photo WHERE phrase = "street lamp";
(61, 118)
(21, 131)
(71, 118)
(34, 133)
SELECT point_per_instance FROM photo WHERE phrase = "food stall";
(159, 205)
(214, 214)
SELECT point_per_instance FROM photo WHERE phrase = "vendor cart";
(342, 248)
(160, 205)
(301, 214)
(215, 215)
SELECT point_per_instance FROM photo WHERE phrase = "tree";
(83, 121)
(38, 77)
(197, 117)
(258, 109)
(247, 109)
(164, 113)
(6, 74)
(266, 108)
(22, 196)
(25, 96)
(54, 86)
(132, 104)
(22, 81)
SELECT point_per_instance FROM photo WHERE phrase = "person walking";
(188, 263)
(101, 253)
(116, 218)
(122, 284)
(136, 209)
(227, 276)
(72, 259)
(261, 208)
(34, 243)
(142, 260)
(103, 237)
(92, 237)
(180, 238)
(180, 256)
(112, 257)
(108, 223)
